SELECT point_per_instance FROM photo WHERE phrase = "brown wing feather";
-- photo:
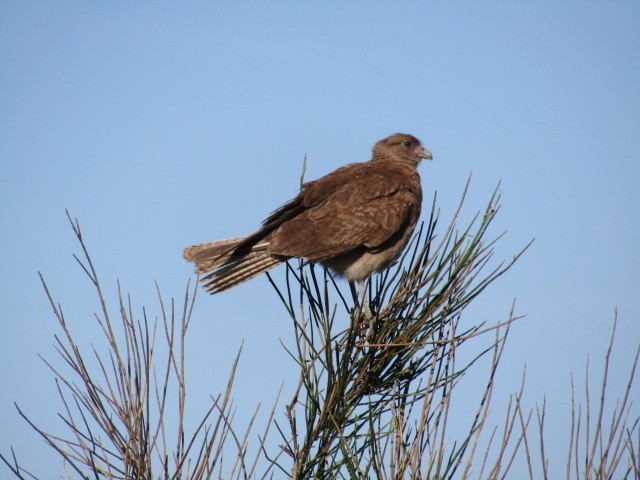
(367, 211)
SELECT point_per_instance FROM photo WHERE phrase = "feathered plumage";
(356, 220)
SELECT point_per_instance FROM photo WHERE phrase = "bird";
(355, 221)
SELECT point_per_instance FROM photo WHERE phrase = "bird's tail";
(225, 268)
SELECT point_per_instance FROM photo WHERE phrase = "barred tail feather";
(233, 274)
(210, 255)
(223, 270)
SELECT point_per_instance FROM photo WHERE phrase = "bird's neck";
(378, 157)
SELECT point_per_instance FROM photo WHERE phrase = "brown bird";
(356, 221)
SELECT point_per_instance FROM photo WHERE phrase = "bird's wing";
(313, 193)
(365, 211)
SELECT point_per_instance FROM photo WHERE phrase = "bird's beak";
(424, 153)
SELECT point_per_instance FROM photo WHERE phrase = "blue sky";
(162, 125)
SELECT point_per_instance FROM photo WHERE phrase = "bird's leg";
(358, 314)
(368, 314)
(364, 298)
(363, 309)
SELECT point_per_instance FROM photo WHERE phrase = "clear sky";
(161, 125)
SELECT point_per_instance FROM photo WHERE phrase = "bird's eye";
(407, 143)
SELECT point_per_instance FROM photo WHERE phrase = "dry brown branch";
(116, 403)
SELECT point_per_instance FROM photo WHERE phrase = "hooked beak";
(425, 153)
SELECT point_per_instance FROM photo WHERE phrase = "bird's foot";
(365, 321)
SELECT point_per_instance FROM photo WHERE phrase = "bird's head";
(401, 147)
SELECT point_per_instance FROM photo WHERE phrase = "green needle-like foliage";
(358, 383)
